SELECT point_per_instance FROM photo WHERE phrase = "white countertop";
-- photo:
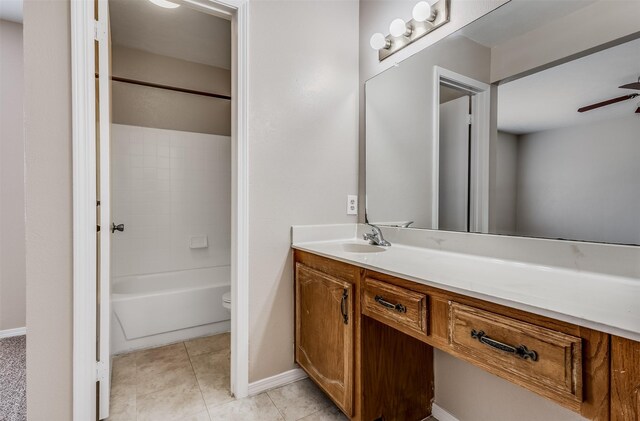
(599, 301)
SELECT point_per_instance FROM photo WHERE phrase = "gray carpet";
(13, 379)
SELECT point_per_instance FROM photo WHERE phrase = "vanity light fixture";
(379, 42)
(423, 12)
(427, 17)
(399, 28)
(164, 3)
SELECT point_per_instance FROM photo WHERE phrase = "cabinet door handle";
(397, 307)
(519, 351)
(343, 307)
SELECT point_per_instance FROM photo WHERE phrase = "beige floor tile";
(153, 377)
(201, 416)
(212, 364)
(122, 407)
(331, 413)
(172, 404)
(121, 364)
(299, 399)
(215, 390)
(208, 344)
(165, 354)
(123, 375)
(257, 408)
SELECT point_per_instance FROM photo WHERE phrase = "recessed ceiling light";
(164, 3)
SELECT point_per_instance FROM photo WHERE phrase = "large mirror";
(525, 122)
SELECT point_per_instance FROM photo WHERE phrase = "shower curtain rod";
(169, 88)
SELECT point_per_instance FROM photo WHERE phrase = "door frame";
(83, 34)
(480, 136)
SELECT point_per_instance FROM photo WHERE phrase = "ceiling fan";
(634, 85)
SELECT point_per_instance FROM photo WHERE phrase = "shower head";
(634, 85)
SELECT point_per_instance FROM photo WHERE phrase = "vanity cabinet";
(367, 340)
(325, 331)
(625, 379)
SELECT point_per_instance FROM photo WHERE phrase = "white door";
(453, 202)
(103, 190)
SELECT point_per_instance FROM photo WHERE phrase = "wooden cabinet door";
(324, 333)
(625, 379)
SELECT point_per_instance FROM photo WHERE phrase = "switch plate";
(352, 205)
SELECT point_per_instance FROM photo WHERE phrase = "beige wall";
(12, 254)
(47, 104)
(144, 106)
(303, 151)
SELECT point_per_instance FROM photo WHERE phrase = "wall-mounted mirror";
(526, 122)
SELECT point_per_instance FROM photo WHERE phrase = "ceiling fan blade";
(634, 85)
(608, 102)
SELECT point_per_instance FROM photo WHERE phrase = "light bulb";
(379, 42)
(423, 12)
(399, 28)
(164, 3)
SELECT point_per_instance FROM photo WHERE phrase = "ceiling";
(11, 10)
(181, 33)
(518, 17)
(550, 99)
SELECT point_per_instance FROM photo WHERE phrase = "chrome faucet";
(376, 237)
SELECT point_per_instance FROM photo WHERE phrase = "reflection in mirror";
(481, 132)
(567, 174)
(455, 155)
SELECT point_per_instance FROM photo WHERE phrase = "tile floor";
(189, 381)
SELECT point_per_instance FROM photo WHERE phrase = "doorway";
(460, 164)
(92, 317)
(455, 159)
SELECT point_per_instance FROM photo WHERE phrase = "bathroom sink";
(362, 248)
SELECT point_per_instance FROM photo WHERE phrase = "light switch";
(352, 205)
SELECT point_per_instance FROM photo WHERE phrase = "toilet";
(226, 300)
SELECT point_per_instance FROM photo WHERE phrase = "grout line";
(189, 358)
(313, 413)
(197, 381)
(275, 406)
(135, 397)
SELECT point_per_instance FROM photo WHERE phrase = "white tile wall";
(166, 187)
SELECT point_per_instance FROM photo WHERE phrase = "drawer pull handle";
(397, 307)
(343, 307)
(519, 351)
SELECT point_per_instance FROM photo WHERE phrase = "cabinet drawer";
(540, 359)
(395, 305)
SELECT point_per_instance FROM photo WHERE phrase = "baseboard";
(278, 380)
(440, 414)
(19, 331)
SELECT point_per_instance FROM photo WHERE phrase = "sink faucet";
(376, 237)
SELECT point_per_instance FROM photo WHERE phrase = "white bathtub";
(152, 310)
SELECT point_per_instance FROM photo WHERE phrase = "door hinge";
(102, 371)
(99, 31)
(470, 118)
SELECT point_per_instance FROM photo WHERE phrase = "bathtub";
(155, 309)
